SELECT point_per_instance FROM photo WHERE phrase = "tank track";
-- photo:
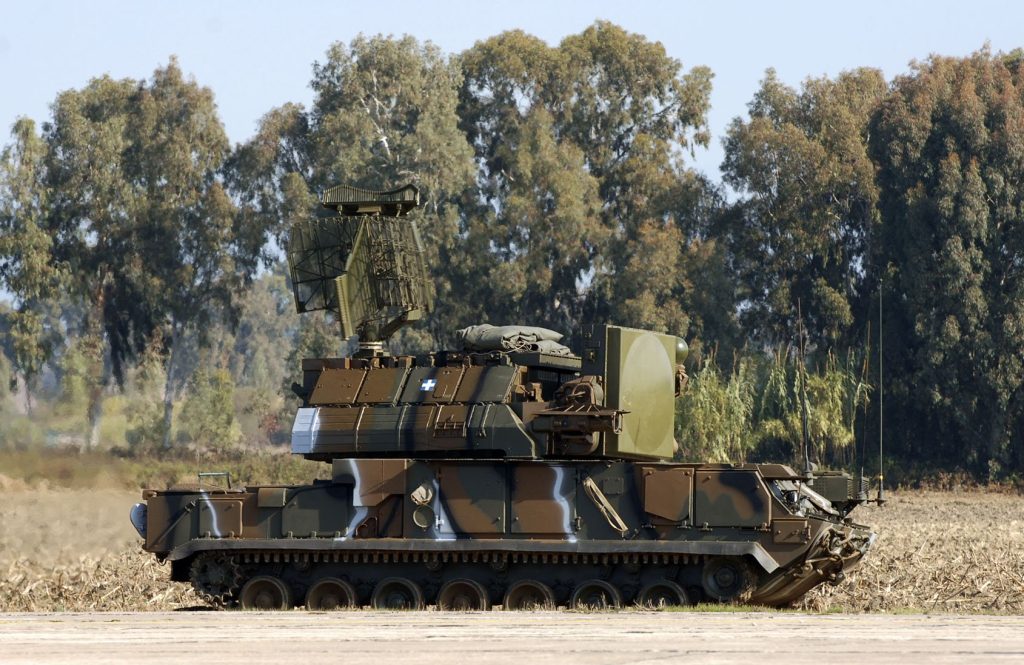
(276, 579)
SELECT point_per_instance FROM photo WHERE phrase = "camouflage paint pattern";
(509, 508)
(509, 477)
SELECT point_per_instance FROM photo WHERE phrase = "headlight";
(138, 518)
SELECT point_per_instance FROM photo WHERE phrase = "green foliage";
(19, 432)
(145, 430)
(834, 396)
(27, 270)
(715, 415)
(81, 368)
(800, 237)
(557, 191)
(756, 411)
(208, 412)
(949, 144)
(579, 149)
(208, 415)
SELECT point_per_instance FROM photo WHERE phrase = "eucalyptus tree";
(140, 217)
(949, 144)
(383, 115)
(593, 134)
(799, 237)
(27, 271)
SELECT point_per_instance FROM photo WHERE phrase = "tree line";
(141, 248)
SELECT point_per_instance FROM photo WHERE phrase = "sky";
(256, 55)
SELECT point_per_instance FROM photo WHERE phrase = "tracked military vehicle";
(509, 471)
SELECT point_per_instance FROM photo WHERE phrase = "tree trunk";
(95, 414)
(171, 384)
(28, 398)
(96, 403)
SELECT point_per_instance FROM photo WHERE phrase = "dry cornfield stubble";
(74, 550)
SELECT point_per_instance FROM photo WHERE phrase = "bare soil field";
(937, 552)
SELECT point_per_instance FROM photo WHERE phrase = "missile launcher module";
(509, 472)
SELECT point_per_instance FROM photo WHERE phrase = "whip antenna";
(880, 499)
(802, 332)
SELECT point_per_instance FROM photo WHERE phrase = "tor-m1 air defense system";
(509, 471)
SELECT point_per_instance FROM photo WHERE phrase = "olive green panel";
(610, 502)
(497, 427)
(450, 426)
(543, 499)
(382, 385)
(641, 381)
(789, 530)
(323, 510)
(220, 518)
(337, 386)
(668, 492)
(639, 370)
(486, 383)
(380, 429)
(355, 292)
(732, 498)
(836, 488)
(271, 497)
(474, 498)
(337, 431)
(374, 479)
(418, 425)
(432, 385)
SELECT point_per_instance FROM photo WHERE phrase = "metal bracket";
(215, 474)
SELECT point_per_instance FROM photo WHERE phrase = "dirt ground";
(937, 552)
(556, 638)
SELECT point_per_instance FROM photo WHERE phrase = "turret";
(512, 392)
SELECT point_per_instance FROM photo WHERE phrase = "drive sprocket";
(216, 578)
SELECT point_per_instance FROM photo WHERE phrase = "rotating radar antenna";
(365, 263)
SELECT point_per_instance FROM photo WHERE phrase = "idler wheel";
(662, 593)
(529, 595)
(331, 593)
(727, 579)
(463, 596)
(265, 593)
(595, 595)
(397, 593)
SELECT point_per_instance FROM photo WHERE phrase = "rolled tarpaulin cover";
(486, 337)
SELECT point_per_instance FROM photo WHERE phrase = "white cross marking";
(427, 385)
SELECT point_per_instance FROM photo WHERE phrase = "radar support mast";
(365, 263)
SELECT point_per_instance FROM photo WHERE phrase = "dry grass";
(936, 552)
(75, 550)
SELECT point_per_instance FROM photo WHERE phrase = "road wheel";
(595, 595)
(529, 595)
(463, 596)
(662, 593)
(397, 593)
(727, 579)
(265, 592)
(331, 593)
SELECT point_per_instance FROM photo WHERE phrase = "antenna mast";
(880, 499)
(802, 333)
